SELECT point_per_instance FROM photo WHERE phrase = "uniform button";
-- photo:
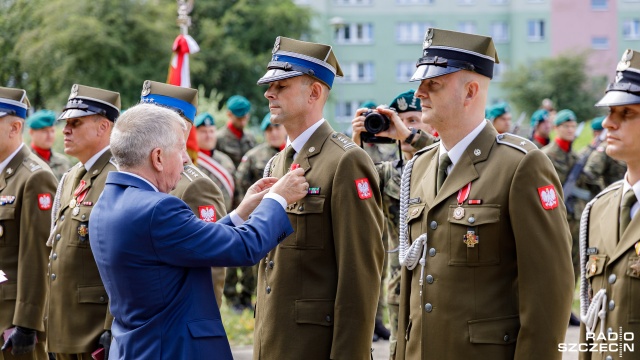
(471, 220)
(612, 278)
(609, 330)
(53, 276)
(433, 225)
(428, 307)
(506, 338)
(271, 264)
(62, 218)
(432, 252)
(55, 256)
(58, 237)
(101, 298)
(301, 208)
(83, 216)
(328, 318)
(268, 289)
(429, 279)
(608, 358)
(612, 305)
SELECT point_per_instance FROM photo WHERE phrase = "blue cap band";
(184, 108)
(19, 111)
(304, 66)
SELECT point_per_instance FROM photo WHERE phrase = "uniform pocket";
(595, 265)
(499, 330)
(474, 235)
(310, 227)
(633, 272)
(7, 223)
(206, 328)
(80, 237)
(316, 312)
(92, 295)
(8, 291)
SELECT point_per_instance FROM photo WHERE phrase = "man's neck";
(10, 150)
(295, 128)
(452, 136)
(633, 172)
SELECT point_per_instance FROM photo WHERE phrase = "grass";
(239, 327)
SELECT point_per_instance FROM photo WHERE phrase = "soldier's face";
(10, 130)
(502, 123)
(80, 136)
(43, 138)
(238, 122)
(442, 98)
(544, 128)
(206, 137)
(288, 99)
(623, 132)
(275, 135)
(567, 130)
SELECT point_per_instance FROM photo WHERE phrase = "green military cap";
(407, 101)
(539, 116)
(41, 119)
(238, 105)
(293, 58)
(266, 122)
(563, 116)
(204, 119)
(445, 52)
(13, 102)
(180, 99)
(497, 110)
(596, 123)
(368, 105)
(625, 89)
(86, 100)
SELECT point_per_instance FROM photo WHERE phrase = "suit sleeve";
(543, 249)
(359, 255)
(33, 252)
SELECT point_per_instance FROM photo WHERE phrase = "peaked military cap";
(563, 116)
(625, 89)
(13, 102)
(41, 119)
(445, 52)
(182, 100)
(596, 123)
(497, 110)
(86, 100)
(266, 122)
(539, 116)
(293, 58)
(238, 105)
(204, 119)
(407, 101)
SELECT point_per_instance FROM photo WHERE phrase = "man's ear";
(16, 127)
(471, 88)
(157, 160)
(104, 126)
(316, 91)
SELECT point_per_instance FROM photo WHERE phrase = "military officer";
(320, 286)
(195, 188)
(233, 139)
(541, 125)
(601, 169)
(500, 116)
(27, 186)
(78, 322)
(610, 244)
(43, 134)
(482, 222)
(402, 127)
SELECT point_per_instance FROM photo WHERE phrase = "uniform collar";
(457, 151)
(636, 189)
(6, 161)
(89, 164)
(301, 140)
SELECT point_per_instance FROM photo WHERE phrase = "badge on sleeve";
(363, 187)
(548, 197)
(44, 201)
(207, 213)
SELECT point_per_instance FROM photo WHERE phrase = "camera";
(375, 123)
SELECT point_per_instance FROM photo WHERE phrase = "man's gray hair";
(141, 129)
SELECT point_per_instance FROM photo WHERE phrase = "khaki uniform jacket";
(509, 296)
(614, 266)
(27, 188)
(229, 144)
(200, 192)
(318, 290)
(77, 311)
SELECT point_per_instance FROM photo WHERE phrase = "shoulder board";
(191, 172)
(343, 141)
(31, 165)
(427, 148)
(516, 142)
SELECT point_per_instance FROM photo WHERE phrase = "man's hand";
(253, 196)
(105, 342)
(357, 125)
(397, 129)
(292, 187)
(21, 341)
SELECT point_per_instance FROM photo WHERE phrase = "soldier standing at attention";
(194, 188)
(482, 221)
(43, 134)
(78, 322)
(27, 186)
(610, 244)
(318, 290)
(500, 116)
(541, 125)
(601, 169)
(233, 139)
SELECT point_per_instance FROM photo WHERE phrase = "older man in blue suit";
(154, 255)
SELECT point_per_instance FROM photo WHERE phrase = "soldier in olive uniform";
(318, 290)
(500, 116)
(414, 135)
(27, 186)
(610, 243)
(195, 188)
(43, 134)
(78, 322)
(541, 125)
(482, 222)
(601, 169)
(233, 139)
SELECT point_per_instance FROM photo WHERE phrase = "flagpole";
(184, 20)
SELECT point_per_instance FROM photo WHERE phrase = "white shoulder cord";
(267, 169)
(55, 208)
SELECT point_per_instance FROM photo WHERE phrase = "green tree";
(563, 79)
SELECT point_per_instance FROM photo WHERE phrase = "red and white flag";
(179, 68)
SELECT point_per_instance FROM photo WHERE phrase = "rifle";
(571, 191)
(516, 126)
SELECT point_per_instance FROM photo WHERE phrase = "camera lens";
(375, 123)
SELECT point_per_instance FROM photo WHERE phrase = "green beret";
(266, 121)
(497, 110)
(368, 105)
(41, 119)
(204, 119)
(539, 116)
(563, 116)
(407, 101)
(238, 105)
(596, 123)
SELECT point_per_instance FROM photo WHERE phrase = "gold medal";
(458, 213)
(471, 239)
(73, 203)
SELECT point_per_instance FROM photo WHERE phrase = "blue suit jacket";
(154, 257)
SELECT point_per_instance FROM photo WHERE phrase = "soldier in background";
(500, 116)
(377, 152)
(27, 186)
(43, 135)
(233, 139)
(601, 170)
(541, 125)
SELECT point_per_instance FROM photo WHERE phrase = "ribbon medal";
(79, 194)
(463, 194)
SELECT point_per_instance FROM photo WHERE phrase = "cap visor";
(431, 71)
(3, 114)
(277, 74)
(617, 98)
(74, 113)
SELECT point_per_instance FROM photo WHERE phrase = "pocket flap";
(415, 211)
(318, 312)
(206, 328)
(83, 214)
(9, 291)
(500, 330)
(92, 295)
(7, 213)
(311, 204)
(475, 215)
(595, 265)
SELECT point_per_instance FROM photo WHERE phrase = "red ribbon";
(80, 192)
(463, 194)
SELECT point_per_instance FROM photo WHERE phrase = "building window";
(535, 30)
(466, 2)
(631, 29)
(498, 71)
(404, 70)
(345, 110)
(599, 43)
(499, 2)
(352, 2)
(415, 2)
(412, 32)
(467, 27)
(354, 34)
(500, 32)
(357, 72)
(598, 4)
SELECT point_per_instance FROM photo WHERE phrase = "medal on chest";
(78, 196)
(471, 239)
(463, 194)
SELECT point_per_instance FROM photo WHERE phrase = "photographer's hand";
(397, 129)
(357, 125)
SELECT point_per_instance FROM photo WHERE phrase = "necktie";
(628, 200)
(79, 175)
(288, 158)
(445, 161)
